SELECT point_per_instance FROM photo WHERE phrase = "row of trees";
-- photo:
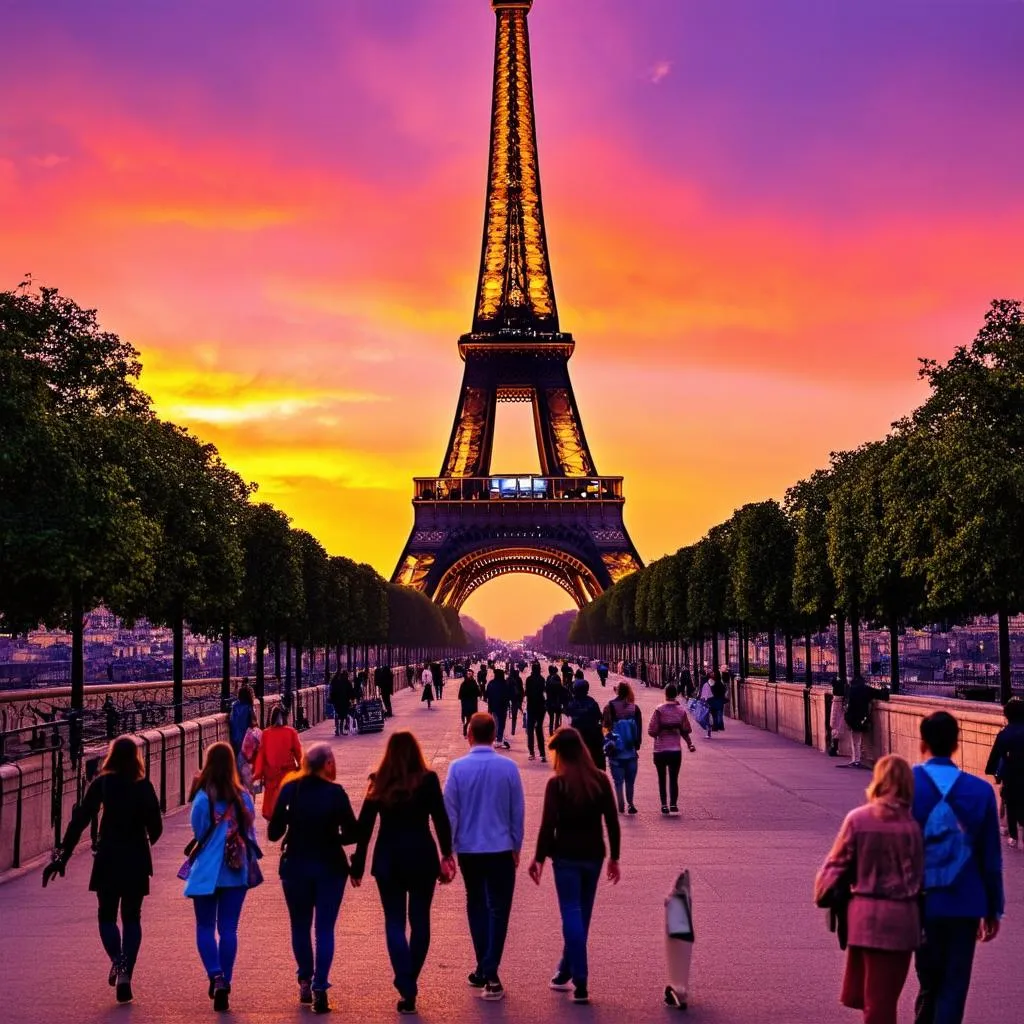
(103, 503)
(922, 527)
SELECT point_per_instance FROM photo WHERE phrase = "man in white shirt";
(484, 798)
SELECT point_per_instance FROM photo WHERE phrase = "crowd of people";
(914, 874)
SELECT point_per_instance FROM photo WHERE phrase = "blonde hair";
(893, 778)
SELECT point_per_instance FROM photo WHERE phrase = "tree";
(707, 585)
(762, 570)
(73, 532)
(974, 417)
(272, 580)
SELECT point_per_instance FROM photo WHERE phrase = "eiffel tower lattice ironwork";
(472, 524)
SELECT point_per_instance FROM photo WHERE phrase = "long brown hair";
(219, 780)
(574, 765)
(124, 758)
(401, 771)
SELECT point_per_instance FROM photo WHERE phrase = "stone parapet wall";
(788, 709)
(29, 797)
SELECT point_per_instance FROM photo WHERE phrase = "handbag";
(255, 855)
(836, 901)
(194, 847)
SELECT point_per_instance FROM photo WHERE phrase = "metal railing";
(518, 488)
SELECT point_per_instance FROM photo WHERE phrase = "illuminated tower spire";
(515, 292)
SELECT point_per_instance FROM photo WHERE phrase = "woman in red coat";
(879, 856)
(280, 753)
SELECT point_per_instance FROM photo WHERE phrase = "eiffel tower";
(472, 524)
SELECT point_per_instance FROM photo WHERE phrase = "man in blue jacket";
(968, 909)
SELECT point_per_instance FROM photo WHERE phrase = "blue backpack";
(946, 845)
(623, 739)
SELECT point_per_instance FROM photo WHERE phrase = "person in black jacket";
(857, 714)
(584, 714)
(556, 698)
(340, 695)
(469, 698)
(314, 817)
(1006, 763)
(516, 695)
(407, 797)
(386, 687)
(536, 705)
(123, 863)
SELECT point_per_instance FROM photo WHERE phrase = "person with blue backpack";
(963, 872)
(623, 725)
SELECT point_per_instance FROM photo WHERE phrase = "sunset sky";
(759, 213)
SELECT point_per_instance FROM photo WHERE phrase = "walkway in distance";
(758, 815)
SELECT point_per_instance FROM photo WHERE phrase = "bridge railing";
(524, 487)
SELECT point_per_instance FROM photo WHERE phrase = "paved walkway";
(758, 814)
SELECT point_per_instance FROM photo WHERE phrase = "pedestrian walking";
(578, 809)
(536, 708)
(1006, 763)
(555, 699)
(876, 869)
(410, 677)
(481, 679)
(469, 700)
(280, 753)
(130, 823)
(437, 675)
(222, 865)
(517, 693)
(407, 797)
(717, 703)
(240, 717)
(584, 715)
(314, 820)
(963, 872)
(341, 698)
(857, 716)
(707, 695)
(498, 697)
(670, 727)
(248, 754)
(602, 672)
(623, 724)
(385, 689)
(484, 799)
(836, 720)
(427, 679)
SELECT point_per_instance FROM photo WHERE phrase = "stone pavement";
(758, 815)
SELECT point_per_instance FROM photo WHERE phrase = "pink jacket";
(667, 725)
(880, 850)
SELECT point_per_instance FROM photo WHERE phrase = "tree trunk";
(288, 665)
(789, 656)
(894, 657)
(77, 671)
(260, 675)
(855, 641)
(277, 658)
(298, 665)
(225, 668)
(178, 663)
(715, 664)
(841, 648)
(772, 658)
(808, 667)
(1005, 680)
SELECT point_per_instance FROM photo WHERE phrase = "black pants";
(490, 883)
(535, 728)
(668, 763)
(385, 698)
(468, 711)
(1014, 804)
(554, 721)
(515, 712)
(407, 902)
(123, 942)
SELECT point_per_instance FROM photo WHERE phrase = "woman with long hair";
(406, 795)
(280, 753)
(314, 818)
(623, 725)
(222, 865)
(577, 800)
(877, 863)
(670, 727)
(130, 822)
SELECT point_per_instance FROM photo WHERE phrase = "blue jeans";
(624, 774)
(490, 883)
(314, 899)
(576, 885)
(116, 944)
(944, 963)
(217, 928)
(407, 902)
